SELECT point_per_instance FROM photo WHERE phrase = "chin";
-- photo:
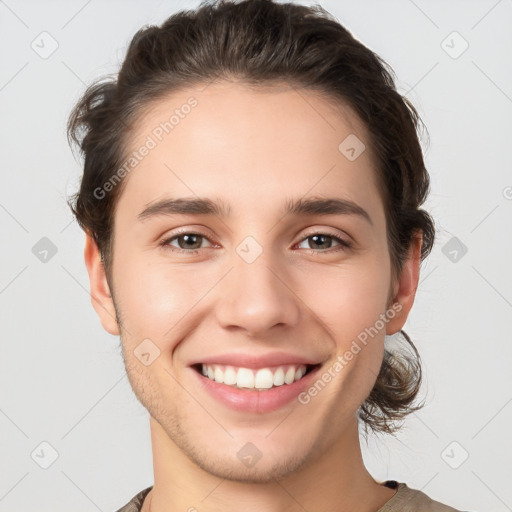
(253, 458)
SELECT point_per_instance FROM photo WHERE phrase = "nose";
(258, 296)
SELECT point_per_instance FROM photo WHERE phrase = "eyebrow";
(204, 206)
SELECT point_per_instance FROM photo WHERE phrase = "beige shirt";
(412, 500)
(404, 500)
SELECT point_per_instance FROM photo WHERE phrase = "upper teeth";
(263, 378)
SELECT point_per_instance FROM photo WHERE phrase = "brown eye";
(323, 242)
(187, 242)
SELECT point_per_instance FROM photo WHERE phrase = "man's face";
(256, 289)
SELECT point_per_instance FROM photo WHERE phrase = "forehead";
(254, 147)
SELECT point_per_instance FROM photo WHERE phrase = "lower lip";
(252, 400)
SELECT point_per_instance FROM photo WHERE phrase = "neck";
(341, 483)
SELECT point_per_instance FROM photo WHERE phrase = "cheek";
(153, 297)
(348, 299)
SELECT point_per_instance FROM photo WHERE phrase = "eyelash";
(165, 243)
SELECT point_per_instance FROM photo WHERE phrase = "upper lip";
(260, 361)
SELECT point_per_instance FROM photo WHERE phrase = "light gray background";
(62, 379)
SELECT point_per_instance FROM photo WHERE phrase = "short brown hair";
(260, 42)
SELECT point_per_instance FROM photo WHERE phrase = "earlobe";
(101, 297)
(406, 287)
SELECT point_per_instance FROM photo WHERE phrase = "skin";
(253, 149)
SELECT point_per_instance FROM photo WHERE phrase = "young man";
(238, 242)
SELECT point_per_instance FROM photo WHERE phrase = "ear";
(406, 285)
(101, 297)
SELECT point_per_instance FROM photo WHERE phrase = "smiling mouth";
(257, 379)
